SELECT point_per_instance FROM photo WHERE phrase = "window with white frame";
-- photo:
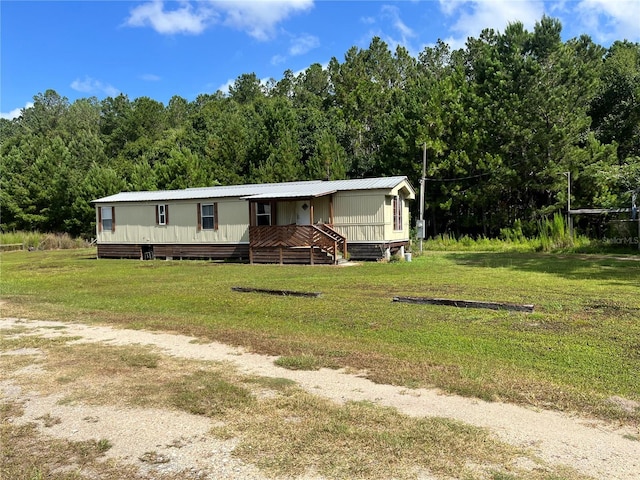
(263, 213)
(106, 218)
(162, 214)
(208, 217)
(397, 212)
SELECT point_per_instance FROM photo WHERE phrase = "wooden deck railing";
(291, 236)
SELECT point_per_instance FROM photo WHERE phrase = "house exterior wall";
(390, 233)
(135, 223)
(321, 210)
(359, 215)
(287, 211)
(367, 216)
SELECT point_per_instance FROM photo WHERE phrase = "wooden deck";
(310, 244)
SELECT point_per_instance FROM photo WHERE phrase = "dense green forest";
(502, 119)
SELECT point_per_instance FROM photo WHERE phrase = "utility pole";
(423, 181)
(569, 218)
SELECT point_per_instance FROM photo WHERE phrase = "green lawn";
(580, 347)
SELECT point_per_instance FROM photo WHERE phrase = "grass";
(56, 459)
(39, 241)
(581, 347)
(286, 433)
(299, 362)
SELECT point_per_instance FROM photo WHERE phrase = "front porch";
(307, 244)
(294, 230)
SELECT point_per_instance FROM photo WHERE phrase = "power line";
(458, 178)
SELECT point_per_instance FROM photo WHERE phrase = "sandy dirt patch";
(591, 447)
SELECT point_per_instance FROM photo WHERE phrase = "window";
(208, 216)
(397, 212)
(107, 219)
(162, 214)
(263, 213)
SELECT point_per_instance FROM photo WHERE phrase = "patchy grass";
(299, 362)
(286, 433)
(580, 347)
(48, 420)
(27, 454)
(207, 393)
(290, 433)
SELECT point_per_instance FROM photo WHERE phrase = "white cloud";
(472, 16)
(389, 20)
(224, 88)
(150, 77)
(394, 15)
(611, 20)
(258, 18)
(93, 86)
(16, 112)
(298, 46)
(303, 44)
(183, 19)
(278, 59)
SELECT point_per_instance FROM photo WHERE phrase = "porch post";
(311, 211)
(252, 213)
(331, 209)
(252, 222)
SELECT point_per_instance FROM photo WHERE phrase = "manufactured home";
(311, 222)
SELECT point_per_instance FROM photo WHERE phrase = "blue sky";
(164, 48)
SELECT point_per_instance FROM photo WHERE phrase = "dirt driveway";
(591, 447)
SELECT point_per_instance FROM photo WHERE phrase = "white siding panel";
(360, 216)
(321, 210)
(390, 233)
(136, 223)
(286, 213)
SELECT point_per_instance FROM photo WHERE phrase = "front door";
(303, 213)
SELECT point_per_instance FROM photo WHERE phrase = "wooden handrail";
(320, 236)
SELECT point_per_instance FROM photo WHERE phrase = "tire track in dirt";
(591, 447)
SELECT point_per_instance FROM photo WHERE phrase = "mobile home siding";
(137, 224)
(286, 213)
(321, 210)
(390, 232)
(360, 215)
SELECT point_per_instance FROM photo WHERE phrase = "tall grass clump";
(23, 240)
(61, 241)
(553, 234)
(550, 235)
(446, 242)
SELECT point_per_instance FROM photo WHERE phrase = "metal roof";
(313, 188)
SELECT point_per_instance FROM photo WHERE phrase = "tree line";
(502, 120)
